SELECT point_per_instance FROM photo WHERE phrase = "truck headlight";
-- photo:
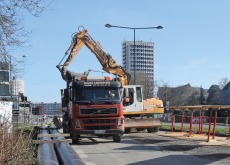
(120, 122)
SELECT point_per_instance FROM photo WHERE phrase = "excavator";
(108, 63)
(122, 109)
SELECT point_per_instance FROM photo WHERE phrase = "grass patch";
(220, 131)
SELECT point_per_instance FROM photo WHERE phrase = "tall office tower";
(17, 86)
(140, 61)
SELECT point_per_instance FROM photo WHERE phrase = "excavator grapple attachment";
(57, 122)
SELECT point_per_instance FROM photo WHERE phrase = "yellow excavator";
(138, 113)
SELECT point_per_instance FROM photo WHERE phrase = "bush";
(15, 146)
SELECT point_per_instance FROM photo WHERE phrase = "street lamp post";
(12, 83)
(11, 73)
(134, 44)
(10, 79)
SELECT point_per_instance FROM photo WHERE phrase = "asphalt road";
(141, 148)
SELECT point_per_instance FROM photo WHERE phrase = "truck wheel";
(127, 130)
(75, 140)
(152, 129)
(65, 125)
(100, 136)
(140, 129)
(65, 129)
(117, 137)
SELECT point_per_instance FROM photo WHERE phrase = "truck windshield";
(97, 95)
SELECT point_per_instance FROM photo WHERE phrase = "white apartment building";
(140, 61)
(49, 108)
(17, 86)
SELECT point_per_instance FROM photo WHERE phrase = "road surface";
(148, 149)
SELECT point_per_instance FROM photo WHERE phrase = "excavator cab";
(135, 100)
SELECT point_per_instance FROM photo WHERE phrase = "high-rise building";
(140, 63)
(142, 60)
(17, 86)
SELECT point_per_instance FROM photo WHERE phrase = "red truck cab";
(93, 107)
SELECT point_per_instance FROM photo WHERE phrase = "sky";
(193, 47)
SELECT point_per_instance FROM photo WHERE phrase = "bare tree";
(146, 83)
(155, 88)
(12, 32)
(224, 81)
(15, 145)
(181, 95)
(164, 91)
(213, 95)
(193, 99)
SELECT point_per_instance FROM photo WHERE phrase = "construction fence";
(198, 120)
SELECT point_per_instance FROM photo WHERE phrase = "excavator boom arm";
(108, 63)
